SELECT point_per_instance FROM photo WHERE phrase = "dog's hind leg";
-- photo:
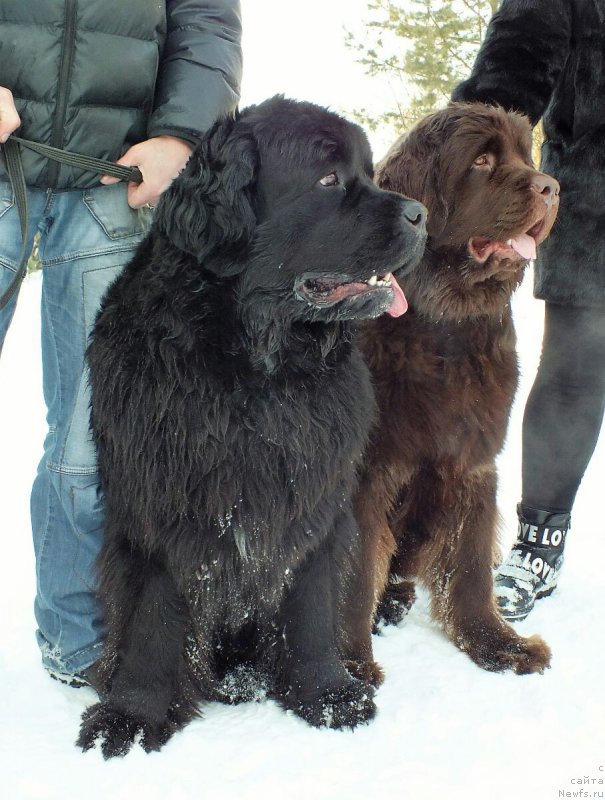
(387, 561)
(312, 679)
(366, 582)
(148, 665)
(399, 592)
(397, 599)
(457, 566)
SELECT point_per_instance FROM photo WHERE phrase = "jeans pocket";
(109, 207)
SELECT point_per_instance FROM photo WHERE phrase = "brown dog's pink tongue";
(399, 305)
(525, 245)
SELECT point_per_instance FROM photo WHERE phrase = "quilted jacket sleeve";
(524, 50)
(200, 71)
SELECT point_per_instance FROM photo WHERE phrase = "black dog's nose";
(415, 213)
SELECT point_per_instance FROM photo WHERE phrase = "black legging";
(564, 410)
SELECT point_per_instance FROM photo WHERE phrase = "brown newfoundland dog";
(445, 375)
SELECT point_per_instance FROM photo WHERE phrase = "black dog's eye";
(329, 180)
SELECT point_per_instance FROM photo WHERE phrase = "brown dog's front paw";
(525, 656)
(497, 651)
(367, 671)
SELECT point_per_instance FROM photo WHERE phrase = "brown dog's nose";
(546, 186)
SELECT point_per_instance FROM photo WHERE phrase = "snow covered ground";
(445, 728)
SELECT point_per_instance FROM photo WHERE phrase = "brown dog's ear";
(413, 167)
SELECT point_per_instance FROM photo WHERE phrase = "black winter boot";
(532, 568)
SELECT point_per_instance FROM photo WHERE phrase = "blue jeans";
(86, 239)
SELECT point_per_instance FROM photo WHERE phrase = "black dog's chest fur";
(277, 507)
(289, 428)
(250, 459)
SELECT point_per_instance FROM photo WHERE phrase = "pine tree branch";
(445, 39)
(428, 45)
(472, 7)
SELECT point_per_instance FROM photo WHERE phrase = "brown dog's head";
(470, 164)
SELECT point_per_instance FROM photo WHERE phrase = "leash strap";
(87, 163)
(14, 168)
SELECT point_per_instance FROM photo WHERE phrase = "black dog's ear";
(412, 167)
(208, 209)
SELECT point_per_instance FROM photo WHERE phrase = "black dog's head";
(280, 203)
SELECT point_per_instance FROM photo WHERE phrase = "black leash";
(12, 157)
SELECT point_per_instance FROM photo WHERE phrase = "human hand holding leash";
(160, 160)
(9, 118)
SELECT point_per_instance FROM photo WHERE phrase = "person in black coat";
(137, 82)
(545, 58)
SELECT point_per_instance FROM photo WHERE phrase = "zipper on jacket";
(67, 53)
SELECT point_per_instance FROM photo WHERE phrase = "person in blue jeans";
(136, 83)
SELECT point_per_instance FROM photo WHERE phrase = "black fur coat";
(546, 58)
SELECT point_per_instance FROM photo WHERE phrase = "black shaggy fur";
(230, 411)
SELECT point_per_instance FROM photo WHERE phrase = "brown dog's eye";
(329, 180)
(482, 161)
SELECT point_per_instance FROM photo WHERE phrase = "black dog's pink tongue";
(399, 305)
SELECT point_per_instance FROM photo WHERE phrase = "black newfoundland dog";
(230, 408)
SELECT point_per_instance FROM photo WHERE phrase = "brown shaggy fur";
(445, 375)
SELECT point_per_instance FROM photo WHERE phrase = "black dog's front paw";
(346, 707)
(116, 731)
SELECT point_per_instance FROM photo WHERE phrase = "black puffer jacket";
(547, 59)
(96, 76)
